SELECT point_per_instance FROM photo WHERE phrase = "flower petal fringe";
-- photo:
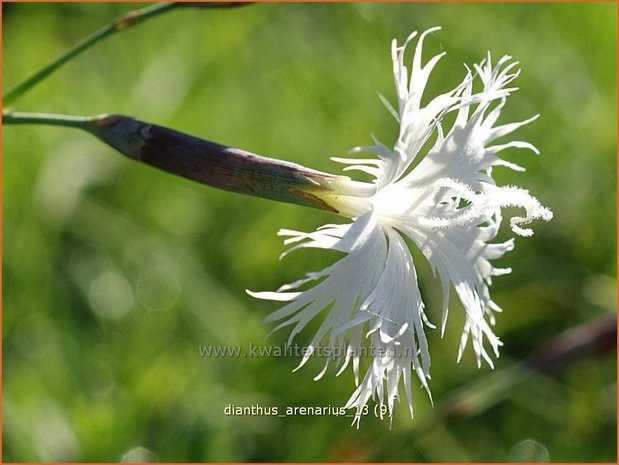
(448, 205)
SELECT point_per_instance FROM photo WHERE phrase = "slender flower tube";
(223, 167)
(448, 205)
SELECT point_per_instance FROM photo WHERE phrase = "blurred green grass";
(114, 273)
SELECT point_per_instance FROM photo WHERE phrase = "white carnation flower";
(448, 205)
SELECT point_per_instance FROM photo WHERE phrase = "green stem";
(119, 24)
(81, 122)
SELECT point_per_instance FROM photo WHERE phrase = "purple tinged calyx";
(224, 167)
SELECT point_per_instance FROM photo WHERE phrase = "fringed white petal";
(397, 334)
(371, 292)
(461, 257)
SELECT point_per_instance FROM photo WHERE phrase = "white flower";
(448, 205)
